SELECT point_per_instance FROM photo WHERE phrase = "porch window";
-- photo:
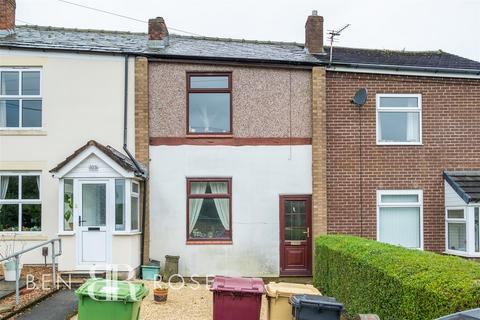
(119, 204)
(134, 205)
(209, 103)
(399, 217)
(209, 214)
(20, 98)
(399, 119)
(20, 204)
(68, 205)
(456, 229)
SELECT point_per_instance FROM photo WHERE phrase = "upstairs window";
(209, 103)
(20, 98)
(399, 119)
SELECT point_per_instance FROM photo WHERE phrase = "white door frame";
(110, 219)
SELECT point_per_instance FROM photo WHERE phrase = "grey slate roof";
(136, 43)
(465, 183)
(121, 159)
(183, 47)
(418, 59)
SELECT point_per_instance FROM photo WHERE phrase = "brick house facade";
(357, 167)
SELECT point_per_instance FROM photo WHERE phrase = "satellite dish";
(360, 97)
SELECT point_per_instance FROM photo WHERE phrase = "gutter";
(334, 66)
(140, 172)
(339, 65)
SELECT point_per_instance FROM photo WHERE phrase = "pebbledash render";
(232, 154)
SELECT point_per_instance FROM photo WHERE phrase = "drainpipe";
(140, 172)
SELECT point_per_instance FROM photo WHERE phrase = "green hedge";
(394, 282)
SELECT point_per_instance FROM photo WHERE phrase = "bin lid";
(464, 315)
(284, 289)
(112, 290)
(236, 284)
(317, 301)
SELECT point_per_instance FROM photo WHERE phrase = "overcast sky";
(450, 25)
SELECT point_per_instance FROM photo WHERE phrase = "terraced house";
(231, 154)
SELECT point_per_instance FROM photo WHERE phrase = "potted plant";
(68, 211)
(160, 293)
(7, 248)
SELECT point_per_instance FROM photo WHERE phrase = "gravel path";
(188, 302)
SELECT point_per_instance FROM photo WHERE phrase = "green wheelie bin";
(101, 299)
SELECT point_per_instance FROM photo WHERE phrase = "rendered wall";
(82, 100)
(260, 174)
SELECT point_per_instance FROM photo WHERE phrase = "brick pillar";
(142, 137)
(319, 152)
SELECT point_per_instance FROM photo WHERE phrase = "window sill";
(213, 136)
(66, 233)
(126, 233)
(462, 254)
(207, 242)
(22, 132)
(399, 143)
(22, 237)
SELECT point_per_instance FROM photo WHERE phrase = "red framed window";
(209, 103)
(209, 210)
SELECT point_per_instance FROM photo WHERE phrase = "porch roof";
(465, 183)
(119, 158)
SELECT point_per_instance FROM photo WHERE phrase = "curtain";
(412, 126)
(400, 226)
(38, 186)
(222, 205)
(3, 188)
(195, 205)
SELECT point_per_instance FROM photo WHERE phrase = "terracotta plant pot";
(160, 294)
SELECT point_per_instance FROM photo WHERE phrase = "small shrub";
(394, 282)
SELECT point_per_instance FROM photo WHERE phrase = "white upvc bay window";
(400, 217)
(462, 230)
(122, 197)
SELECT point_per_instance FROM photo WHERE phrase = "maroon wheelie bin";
(237, 298)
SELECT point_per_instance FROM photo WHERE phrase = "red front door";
(295, 235)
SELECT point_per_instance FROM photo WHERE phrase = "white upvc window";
(462, 230)
(20, 202)
(456, 229)
(135, 206)
(400, 217)
(20, 98)
(399, 119)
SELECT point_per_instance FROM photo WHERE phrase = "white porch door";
(93, 237)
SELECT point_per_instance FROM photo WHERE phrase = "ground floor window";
(462, 229)
(399, 217)
(209, 214)
(456, 229)
(20, 204)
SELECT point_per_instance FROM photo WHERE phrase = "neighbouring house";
(403, 168)
(56, 95)
(244, 150)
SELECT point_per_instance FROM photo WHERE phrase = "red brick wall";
(451, 141)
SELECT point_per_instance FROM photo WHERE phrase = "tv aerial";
(332, 34)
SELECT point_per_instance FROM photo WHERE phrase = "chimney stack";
(314, 33)
(157, 33)
(7, 17)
